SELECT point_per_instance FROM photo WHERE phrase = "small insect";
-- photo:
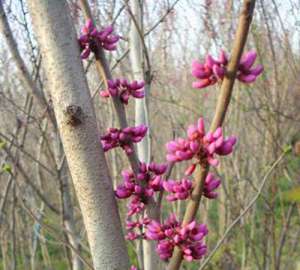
(74, 115)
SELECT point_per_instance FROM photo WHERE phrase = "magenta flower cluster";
(179, 190)
(214, 70)
(210, 185)
(246, 72)
(172, 233)
(123, 138)
(142, 186)
(90, 38)
(135, 228)
(200, 145)
(124, 89)
(209, 72)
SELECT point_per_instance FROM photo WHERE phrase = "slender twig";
(27, 179)
(25, 75)
(219, 116)
(283, 235)
(170, 8)
(244, 212)
(105, 74)
(53, 230)
(27, 154)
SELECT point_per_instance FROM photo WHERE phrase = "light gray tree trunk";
(137, 60)
(150, 258)
(32, 88)
(76, 122)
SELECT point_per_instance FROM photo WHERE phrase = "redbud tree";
(143, 185)
(200, 148)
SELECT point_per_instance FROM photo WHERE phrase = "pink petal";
(202, 83)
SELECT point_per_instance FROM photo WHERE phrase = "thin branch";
(105, 73)
(244, 212)
(219, 116)
(283, 235)
(49, 228)
(20, 147)
(162, 18)
(29, 182)
(25, 75)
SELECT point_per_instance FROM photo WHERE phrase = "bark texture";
(79, 133)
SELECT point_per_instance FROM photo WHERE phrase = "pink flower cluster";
(246, 73)
(123, 89)
(199, 146)
(179, 190)
(188, 238)
(91, 38)
(135, 228)
(210, 185)
(123, 138)
(203, 146)
(213, 70)
(209, 72)
(141, 186)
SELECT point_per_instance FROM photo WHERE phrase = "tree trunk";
(76, 121)
(150, 258)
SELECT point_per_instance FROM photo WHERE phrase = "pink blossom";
(123, 138)
(210, 185)
(179, 190)
(90, 38)
(214, 70)
(155, 231)
(246, 72)
(179, 150)
(165, 249)
(135, 228)
(135, 206)
(123, 89)
(210, 71)
(200, 145)
(107, 39)
(188, 238)
(140, 187)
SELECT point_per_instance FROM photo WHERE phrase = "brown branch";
(105, 73)
(236, 53)
(219, 116)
